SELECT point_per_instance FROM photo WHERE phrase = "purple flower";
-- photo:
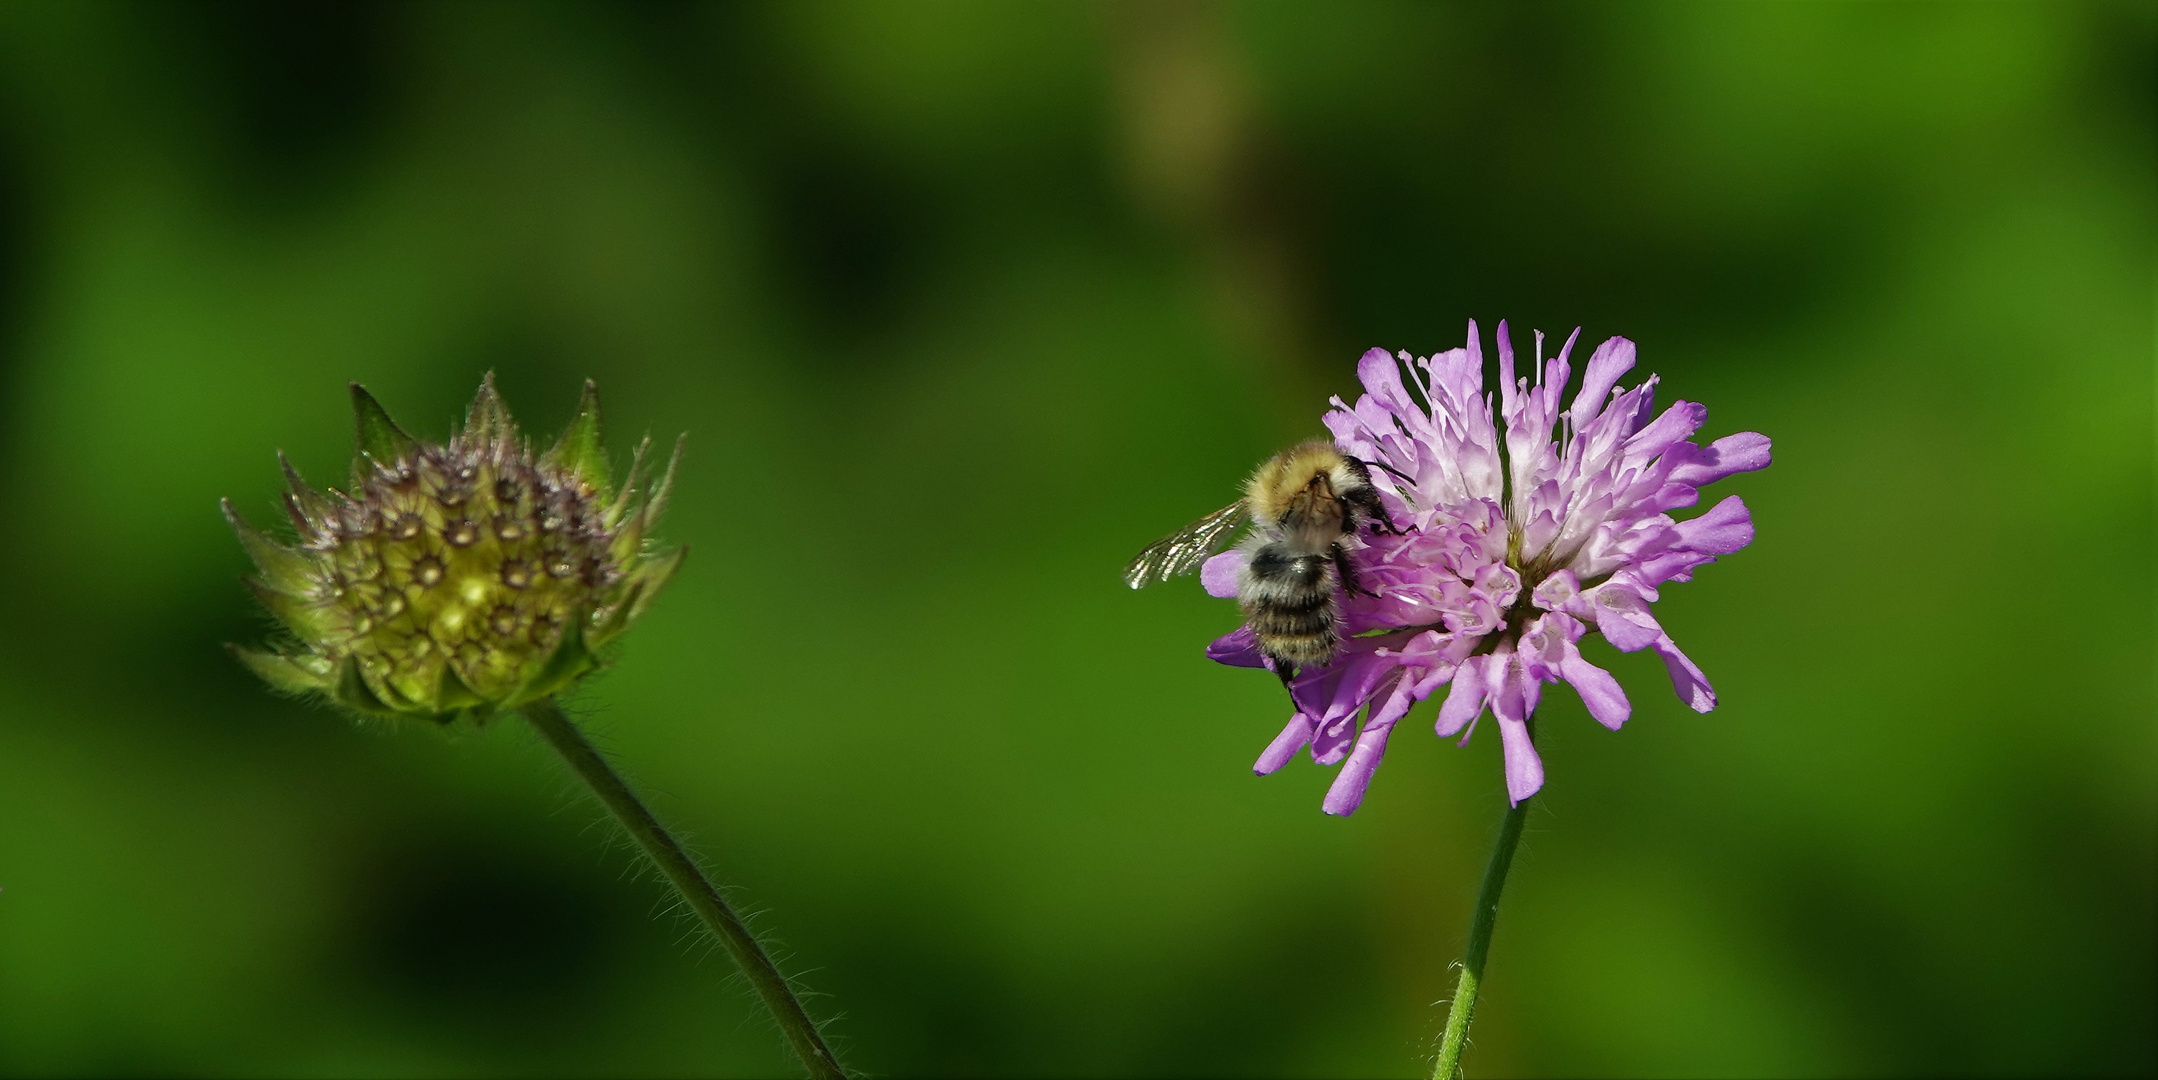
(1504, 561)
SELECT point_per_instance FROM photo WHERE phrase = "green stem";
(1472, 965)
(690, 882)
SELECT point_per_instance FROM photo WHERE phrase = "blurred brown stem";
(696, 889)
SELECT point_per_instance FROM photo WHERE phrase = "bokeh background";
(961, 304)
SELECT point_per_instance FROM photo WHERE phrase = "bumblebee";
(1302, 503)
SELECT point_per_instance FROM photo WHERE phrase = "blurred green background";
(961, 304)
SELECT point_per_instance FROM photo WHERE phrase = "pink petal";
(1514, 690)
(1605, 699)
(1524, 770)
(1331, 741)
(1667, 566)
(1613, 358)
(1623, 617)
(1465, 702)
(1557, 592)
(1683, 418)
(1347, 791)
(1237, 648)
(1381, 377)
(1692, 686)
(1727, 527)
(1743, 452)
(1335, 692)
(1220, 573)
(1285, 745)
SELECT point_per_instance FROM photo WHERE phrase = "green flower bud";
(459, 579)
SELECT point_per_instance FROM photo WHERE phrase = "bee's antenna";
(1389, 468)
(1379, 514)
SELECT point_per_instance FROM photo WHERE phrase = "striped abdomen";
(1289, 602)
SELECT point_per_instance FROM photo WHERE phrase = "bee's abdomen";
(1288, 600)
(1296, 638)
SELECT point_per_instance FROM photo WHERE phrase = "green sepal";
(655, 502)
(614, 618)
(637, 510)
(572, 660)
(379, 436)
(353, 692)
(626, 496)
(282, 568)
(282, 672)
(628, 542)
(652, 575)
(298, 615)
(489, 420)
(306, 506)
(453, 693)
(637, 592)
(579, 449)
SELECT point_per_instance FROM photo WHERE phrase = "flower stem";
(690, 882)
(1472, 965)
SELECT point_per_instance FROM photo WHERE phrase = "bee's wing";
(1182, 551)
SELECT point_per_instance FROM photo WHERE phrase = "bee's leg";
(1348, 573)
(1373, 511)
(1282, 669)
(1382, 518)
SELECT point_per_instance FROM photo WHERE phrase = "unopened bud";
(462, 578)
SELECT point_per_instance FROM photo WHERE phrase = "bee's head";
(1313, 506)
(1299, 492)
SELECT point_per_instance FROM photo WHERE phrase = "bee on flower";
(1305, 506)
(1465, 568)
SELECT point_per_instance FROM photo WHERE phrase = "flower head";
(461, 578)
(1505, 559)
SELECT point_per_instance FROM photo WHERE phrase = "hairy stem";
(690, 882)
(1472, 965)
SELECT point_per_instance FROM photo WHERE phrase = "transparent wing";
(1182, 551)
